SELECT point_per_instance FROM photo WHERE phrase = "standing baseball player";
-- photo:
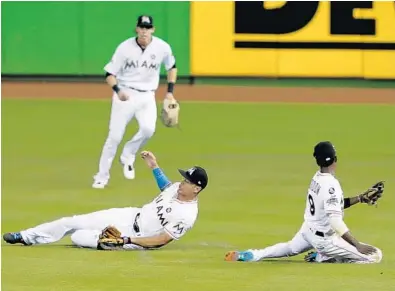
(166, 218)
(323, 228)
(133, 74)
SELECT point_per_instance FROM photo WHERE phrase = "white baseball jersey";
(167, 213)
(138, 68)
(324, 196)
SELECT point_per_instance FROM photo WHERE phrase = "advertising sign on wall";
(285, 38)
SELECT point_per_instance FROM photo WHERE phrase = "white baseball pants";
(327, 247)
(84, 229)
(142, 106)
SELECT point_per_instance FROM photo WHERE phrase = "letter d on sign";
(253, 17)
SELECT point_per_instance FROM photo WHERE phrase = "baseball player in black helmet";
(323, 228)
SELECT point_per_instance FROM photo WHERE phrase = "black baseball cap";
(325, 153)
(145, 21)
(196, 175)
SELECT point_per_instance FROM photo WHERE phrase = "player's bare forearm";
(172, 76)
(171, 80)
(350, 239)
(361, 247)
(151, 242)
(111, 80)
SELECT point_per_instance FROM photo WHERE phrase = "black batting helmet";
(325, 154)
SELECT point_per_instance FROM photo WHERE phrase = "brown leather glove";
(110, 239)
(170, 112)
(373, 194)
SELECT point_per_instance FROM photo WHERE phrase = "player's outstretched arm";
(370, 196)
(161, 180)
(150, 242)
(111, 239)
(350, 201)
(173, 230)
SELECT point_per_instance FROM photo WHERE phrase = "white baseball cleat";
(128, 172)
(99, 184)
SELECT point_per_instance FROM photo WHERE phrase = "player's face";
(188, 189)
(144, 33)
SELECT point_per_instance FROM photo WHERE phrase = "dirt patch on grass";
(205, 93)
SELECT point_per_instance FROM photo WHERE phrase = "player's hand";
(123, 96)
(365, 249)
(169, 96)
(150, 159)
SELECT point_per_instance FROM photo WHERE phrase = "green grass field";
(259, 161)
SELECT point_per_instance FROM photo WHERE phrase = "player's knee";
(114, 138)
(293, 250)
(147, 131)
(78, 238)
(75, 238)
(84, 238)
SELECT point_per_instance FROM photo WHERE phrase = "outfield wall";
(209, 39)
(307, 39)
(78, 38)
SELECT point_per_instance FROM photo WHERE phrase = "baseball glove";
(373, 194)
(110, 239)
(170, 112)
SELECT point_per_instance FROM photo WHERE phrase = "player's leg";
(146, 116)
(55, 230)
(89, 238)
(85, 238)
(293, 247)
(121, 114)
(341, 251)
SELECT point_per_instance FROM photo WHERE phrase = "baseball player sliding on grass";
(323, 229)
(133, 74)
(166, 218)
